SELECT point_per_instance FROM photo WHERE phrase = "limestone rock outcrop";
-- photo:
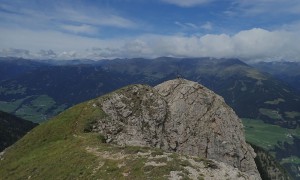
(180, 116)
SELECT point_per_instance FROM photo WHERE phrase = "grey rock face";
(136, 117)
(177, 115)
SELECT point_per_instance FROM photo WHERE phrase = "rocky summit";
(176, 130)
(177, 116)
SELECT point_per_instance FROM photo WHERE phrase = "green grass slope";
(63, 148)
(52, 149)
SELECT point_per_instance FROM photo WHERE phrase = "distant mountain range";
(251, 93)
(39, 90)
(287, 71)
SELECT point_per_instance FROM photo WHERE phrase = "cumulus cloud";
(248, 45)
(253, 44)
(187, 3)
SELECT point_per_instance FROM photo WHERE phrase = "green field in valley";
(267, 135)
(33, 108)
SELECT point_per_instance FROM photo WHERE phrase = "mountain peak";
(177, 116)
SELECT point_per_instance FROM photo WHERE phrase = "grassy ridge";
(53, 147)
(60, 149)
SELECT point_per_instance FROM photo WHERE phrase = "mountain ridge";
(286, 71)
(236, 81)
(76, 130)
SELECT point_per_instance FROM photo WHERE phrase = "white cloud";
(187, 3)
(36, 40)
(186, 25)
(247, 45)
(61, 17)
(250, 44)
(207, 26)
(191, 26)
(117, 21)
(182, 25)
(85, 29)
(94, 17)
(11, 52)
(46, 54)
(293, 26)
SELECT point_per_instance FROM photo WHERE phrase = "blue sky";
(98, 29)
